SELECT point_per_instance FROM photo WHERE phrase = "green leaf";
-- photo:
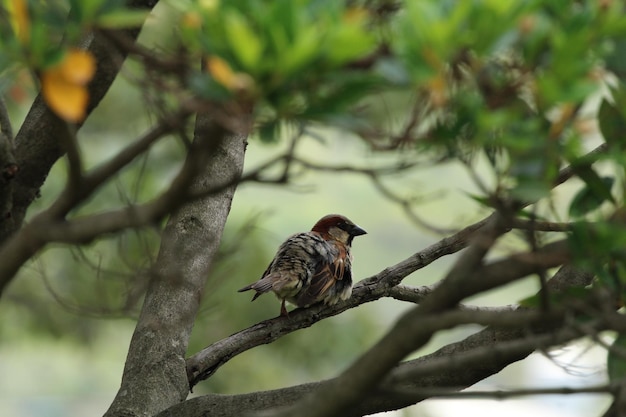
(530, 189)
(594, 193)
(616, 61)
(612, 124)
(593, 245)
(269, 132)
(83, 10)
(610, 274)
(246, 44)
(601, 186)
(347, 43)
(480, 199)
(302, 51)
(616, 359)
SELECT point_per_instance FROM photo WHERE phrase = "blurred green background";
(67, 319)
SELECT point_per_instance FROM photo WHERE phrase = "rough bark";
(155, 375)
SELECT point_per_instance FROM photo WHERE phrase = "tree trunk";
(155, 376)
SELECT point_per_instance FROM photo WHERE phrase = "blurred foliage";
(506, 84)
(616, 359)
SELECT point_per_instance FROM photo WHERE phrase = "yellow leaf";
(64, 85)
(68, 100)
(78, 66)
(221, 71)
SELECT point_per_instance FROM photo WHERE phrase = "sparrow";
(313, 266)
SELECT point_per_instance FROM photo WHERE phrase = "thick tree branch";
(154, 376)
(39, 142)
(460, 364)
(50, 225)
(437, 372)
(409, 383)
(490, 350)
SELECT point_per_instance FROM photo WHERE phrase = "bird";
(312, 267)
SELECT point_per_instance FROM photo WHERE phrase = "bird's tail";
(246, 288)
(261, 287)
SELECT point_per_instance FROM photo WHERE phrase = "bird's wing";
(328, 271)
(290, 267)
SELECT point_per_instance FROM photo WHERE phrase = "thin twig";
(541, 226)
(70, 197)
(417, 294)
(454, 393)
(69, 141)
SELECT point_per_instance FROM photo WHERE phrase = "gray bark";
(155, 376)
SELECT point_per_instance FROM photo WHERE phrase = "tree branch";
(434, 372)
(453, 393)
(454, 365)
(541, 226)
(50, 225)
(38, 144)
(86, 184)
(204, 363)
(417, 294)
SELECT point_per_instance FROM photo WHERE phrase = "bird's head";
(338, 227)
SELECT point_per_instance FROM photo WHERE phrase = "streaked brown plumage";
(312, 267)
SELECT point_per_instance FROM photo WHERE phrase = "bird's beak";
(357, 231)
